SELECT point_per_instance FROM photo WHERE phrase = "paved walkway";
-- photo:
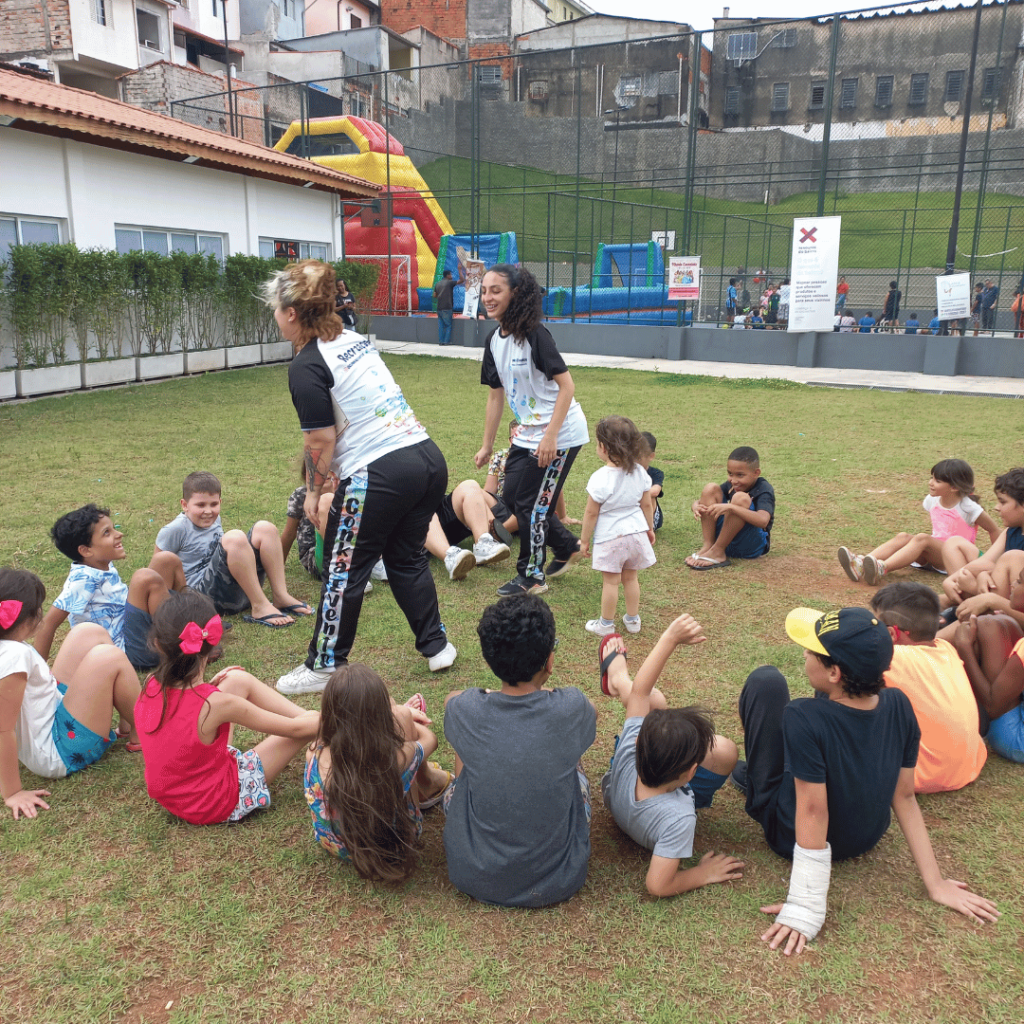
(1001, 387)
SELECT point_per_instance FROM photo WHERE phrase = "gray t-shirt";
(516, 831)
(443, 291)
(663, 824)
(194, 546)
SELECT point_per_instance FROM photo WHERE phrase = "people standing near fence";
(1017, 308)
(989, 298)
(891, 307)
(443, 292)
(345, 305)
(730, 300)
(842, 290)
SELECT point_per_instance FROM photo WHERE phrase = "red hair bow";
(9, 612)
(193, 635)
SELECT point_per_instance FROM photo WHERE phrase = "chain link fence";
(706, 143)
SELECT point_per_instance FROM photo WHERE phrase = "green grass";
(880, 229)
(110, 909)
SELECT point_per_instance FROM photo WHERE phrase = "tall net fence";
(607, 156)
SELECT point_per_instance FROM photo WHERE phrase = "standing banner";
(813, 271)
(475, 270)
(953, 296)
(684, 279)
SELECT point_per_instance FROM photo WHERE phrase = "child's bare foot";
(711, 558)
(611, 653)
(431, 782)
(269, 615)
(291, 605)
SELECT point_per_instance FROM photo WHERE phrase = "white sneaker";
(487, 550)
(632, 625)
(459, 562)
(599, 628)
(378, 572)
(304, 680)
(444, 659)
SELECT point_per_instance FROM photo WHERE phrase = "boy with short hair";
(229, 568)
(667, 762)
(94, 591)
(657, 488)
(735, 516)
(998, 568)
(821, 775)
(517, 829)
(929, 671)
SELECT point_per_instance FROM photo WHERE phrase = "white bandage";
(807, 903)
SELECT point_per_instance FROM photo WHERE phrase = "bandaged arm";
(807, 902)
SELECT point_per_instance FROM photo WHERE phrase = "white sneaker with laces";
(445, 658)
(378, 572)
(304, 680)
(459, 562)
(487, 550)
(597, 627)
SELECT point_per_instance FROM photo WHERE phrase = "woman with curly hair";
(522, 367)
(356, 423)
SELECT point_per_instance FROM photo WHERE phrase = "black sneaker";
(522, 585)
(738, 776)
(560, 566)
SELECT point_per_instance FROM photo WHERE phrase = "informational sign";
(474, 279)
(684, 278)
(813, 271)
(953, 296)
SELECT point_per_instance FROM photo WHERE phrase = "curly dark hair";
(621, 440)
(524, 309)
(74, 530)
(516, 637)
(26, 587)
(670, 742)
(853, 685)
(363, 792)
(1011, 483)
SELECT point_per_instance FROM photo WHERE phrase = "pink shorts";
(633, 551)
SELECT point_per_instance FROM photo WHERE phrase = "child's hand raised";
(685, 630)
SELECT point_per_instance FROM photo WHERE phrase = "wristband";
(807, 902)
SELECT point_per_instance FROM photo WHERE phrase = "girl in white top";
(955, 517)
(55, 729)
(620, 519)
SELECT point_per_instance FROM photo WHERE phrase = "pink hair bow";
(9, 612)
(193, 635)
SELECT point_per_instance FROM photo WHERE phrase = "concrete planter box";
(170, 364)
(109, 371)
(277, 351)
(244, 355)
(8, 384)
(49, 380)
(205, 359)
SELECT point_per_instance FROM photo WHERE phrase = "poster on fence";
(684, 278)
(474, 279)
(953, 296)
(813, 271)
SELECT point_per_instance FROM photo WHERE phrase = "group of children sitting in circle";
(902, 706)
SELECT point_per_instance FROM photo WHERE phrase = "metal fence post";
(826, 134)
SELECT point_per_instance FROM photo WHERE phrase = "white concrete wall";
(92, 189)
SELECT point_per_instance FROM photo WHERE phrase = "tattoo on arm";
(314, 477)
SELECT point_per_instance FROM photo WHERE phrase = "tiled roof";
(50, 109)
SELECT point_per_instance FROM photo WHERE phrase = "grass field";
(113, 911)
(880, 229)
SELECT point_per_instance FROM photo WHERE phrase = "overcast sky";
(701, 15)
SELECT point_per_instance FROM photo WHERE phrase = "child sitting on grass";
(955, 516)
(367, 780)
(620, 519)
(94, 592)
(995, 571)
(736, 516)
(229, 568)
(822, 776)
(55, 728)
(185, 724)
(517, 828)
(668, 761)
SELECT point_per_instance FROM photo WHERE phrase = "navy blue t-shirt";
(762, 499)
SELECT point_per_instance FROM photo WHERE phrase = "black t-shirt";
(892, 304)
(858, 755)
(657, 477)
(762, 499)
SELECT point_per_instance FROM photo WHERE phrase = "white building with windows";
(79, 167)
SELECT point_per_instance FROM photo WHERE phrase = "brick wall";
(34, 28)
(482, 51)
(446, 18)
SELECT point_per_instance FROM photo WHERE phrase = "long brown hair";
(308, 287)
(524, 309)
(363, 793)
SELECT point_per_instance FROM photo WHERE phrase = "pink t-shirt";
(957, 521)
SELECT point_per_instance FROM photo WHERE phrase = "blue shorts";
(221, 587)
(137, 624)
(1006, 735)
(77, 746)
(750, 542)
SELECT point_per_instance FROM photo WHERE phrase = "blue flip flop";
(294, 610)
(265, 620)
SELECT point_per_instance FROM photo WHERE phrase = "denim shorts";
(750, 542)
(77, 745)
(1006, 735)
(221, 587)
(137, 624)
